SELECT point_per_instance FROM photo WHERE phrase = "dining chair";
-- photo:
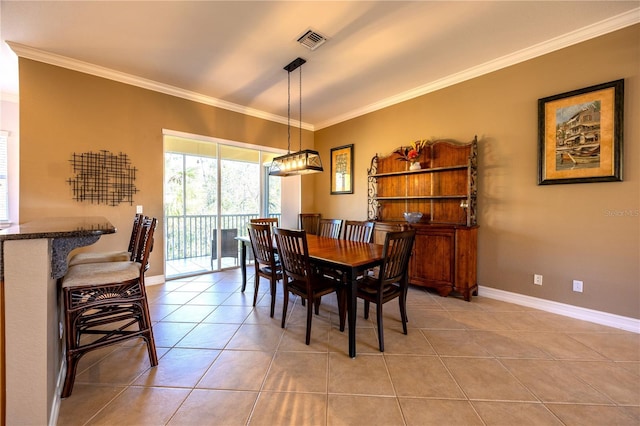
(310, 222)
(271, 221)
(111, 256)
(358, 231)
(106, 303)
(265, 261)
(392, 279)
(300, 278)
(330, 228)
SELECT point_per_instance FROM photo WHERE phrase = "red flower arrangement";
(412, 152)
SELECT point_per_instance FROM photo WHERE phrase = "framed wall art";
(580, 135)
(342, 170)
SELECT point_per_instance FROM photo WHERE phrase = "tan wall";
(563, 232)
(62, 112)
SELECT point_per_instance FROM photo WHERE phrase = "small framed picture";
(342, 170)
(580, 135)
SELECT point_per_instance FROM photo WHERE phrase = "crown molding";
(583, 34)
(600, 28)
(99, 71)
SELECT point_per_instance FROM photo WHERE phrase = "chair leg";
(380, 327)
(151, 349)
(310, 306)
(273, 295)
(70, 376)
(256, 288)
(285, 304)
(366, 309)
(148, 336)
(403, 313)
(316, 304)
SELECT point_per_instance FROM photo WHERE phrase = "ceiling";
(232, 53)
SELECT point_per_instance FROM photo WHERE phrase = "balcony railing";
(191, 236)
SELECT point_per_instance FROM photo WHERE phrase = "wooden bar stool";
(106, 303)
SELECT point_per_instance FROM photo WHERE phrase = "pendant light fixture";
(304, 161)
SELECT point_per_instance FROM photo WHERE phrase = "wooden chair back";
(330, 228)
(310, 222)
(271, 221)
(294, 253)
(358, 231)
(135, 232)
(144, 245)
(262, 244)
(396, 254)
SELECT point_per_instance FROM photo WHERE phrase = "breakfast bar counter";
(33, 256)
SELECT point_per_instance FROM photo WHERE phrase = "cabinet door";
(432, 263)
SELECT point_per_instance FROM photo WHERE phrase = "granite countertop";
(66, 234)
(59, 227)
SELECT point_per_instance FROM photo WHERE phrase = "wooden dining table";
(350, 257)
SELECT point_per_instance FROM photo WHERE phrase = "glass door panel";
(239, 199)
(190, 197)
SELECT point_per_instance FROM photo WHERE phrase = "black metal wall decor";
(102, 178)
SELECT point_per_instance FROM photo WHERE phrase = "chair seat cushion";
(267, 270)
(101, 273)
(369, 285)
(319, 285)
(91, 257)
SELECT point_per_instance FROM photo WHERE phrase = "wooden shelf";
(427, 170)
(421, 197)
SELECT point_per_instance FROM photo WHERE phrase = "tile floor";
(485, 362)
(197, 265)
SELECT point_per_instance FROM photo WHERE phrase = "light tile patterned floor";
(485, 362)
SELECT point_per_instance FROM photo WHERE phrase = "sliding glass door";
(211, 191)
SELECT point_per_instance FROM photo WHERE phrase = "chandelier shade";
(296, 163)
(301, 162)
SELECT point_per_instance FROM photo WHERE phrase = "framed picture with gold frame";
(342, 170)
(580, 135)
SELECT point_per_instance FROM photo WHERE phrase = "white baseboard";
(154, 280)
(55, 404)
(598, 317)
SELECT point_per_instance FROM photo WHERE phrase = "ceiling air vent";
(312, 40)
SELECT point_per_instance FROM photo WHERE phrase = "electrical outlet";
(577, 286)
(537, 279)
(139, 209)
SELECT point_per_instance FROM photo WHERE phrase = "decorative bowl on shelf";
(412, 217)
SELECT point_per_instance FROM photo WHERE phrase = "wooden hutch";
(444, 191)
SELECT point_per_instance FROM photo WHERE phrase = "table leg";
(352, 295)
(243, 264)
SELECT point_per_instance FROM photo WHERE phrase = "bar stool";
(107, 300)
